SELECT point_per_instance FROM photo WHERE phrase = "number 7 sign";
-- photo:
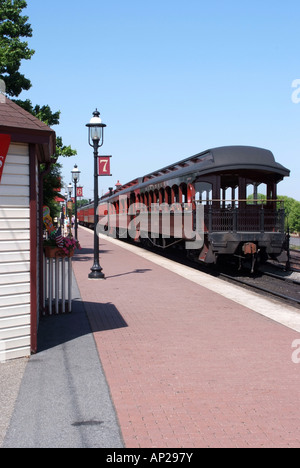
(104, 166)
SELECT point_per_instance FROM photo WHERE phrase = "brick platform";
(187, 367)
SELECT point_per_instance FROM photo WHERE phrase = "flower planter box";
(56, 252)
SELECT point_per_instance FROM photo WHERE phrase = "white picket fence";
(57, 297)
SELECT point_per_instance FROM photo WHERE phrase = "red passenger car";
(221, 202)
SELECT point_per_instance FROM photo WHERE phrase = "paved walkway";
(63, 400)
(187, 361)
(187, 367)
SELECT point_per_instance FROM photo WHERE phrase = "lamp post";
(95, 139)
(70, 190)
(66, 209)
(62, 216)
(75, 177)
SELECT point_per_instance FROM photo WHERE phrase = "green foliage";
(62, 150)
(260, 199)
(291, 207)
(82, 202)
(292, 211)
(51, 188)
(14, 27)
(43, 113)
(52, 181)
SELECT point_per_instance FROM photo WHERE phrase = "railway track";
(295, 260)
(271, 284)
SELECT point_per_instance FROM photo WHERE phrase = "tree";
(51, 188)
(82, 202)
(292, 211)
(53, 180)
(14, 27)
(295, 217)
(62, 150)
(43, 113)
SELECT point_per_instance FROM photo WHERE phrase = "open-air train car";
(232, 188)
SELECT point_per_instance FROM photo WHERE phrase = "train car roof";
(246, 157)
(225, 158)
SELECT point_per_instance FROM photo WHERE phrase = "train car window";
(226, 198)
(132, 198)
(168, 196)
(175, 194)
(122, 205)
(203, 192)
(256, 193)
(161, 196)
(183, 192)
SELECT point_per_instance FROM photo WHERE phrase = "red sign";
(79, 191)
(104, 166)
(4, 145)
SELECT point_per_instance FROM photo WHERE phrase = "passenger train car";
(221, 203)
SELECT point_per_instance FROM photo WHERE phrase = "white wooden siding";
(15, 255)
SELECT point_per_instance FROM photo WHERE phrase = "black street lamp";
(69, 206)
(70, 190)
(75, 177)
(66, 209)
(96, 128)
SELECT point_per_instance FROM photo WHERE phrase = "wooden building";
(28, 143)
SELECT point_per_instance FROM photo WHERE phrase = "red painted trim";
(41, 259)
(4, 146)
(33, 247)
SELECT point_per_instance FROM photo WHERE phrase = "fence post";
(70, 285)
(262, 219)
(63, 294)
(235, 216)
(210, 219)
(54, 286)
(50, 285)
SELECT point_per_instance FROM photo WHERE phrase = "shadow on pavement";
(55, 330)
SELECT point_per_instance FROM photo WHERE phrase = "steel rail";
(282, 278)
(273, 293)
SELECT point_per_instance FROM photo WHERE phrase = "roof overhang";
(46, 141)
(25, 128)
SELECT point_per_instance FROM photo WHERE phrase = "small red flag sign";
(104, 166)
(4, 146)
(79, 191)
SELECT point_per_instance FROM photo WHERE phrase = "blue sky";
(170, 79)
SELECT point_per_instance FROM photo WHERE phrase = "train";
(220, 204)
